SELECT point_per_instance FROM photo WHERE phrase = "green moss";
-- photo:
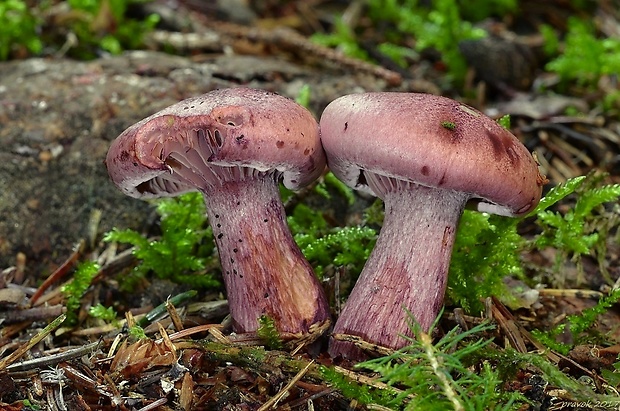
(328, 181)
(325, 246)
(75, 289)
(18, 28)
(363, 393)
(489, 248)
(578, 325)
(410, 26)
(96, 25)
(582, 229)
(342, 37)
(183, 251)
(268, 333)
(585, 57)
(107, 314)
(439, 27)
(104, 25)
(433, 376)
(576, 391)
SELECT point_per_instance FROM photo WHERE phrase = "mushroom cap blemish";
(432, 141)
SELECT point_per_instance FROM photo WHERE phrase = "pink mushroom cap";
(432, 141)
(239, 127)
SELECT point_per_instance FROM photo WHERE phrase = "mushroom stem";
(264, 270)
(407, 269)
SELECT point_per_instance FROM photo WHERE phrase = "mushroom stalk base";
(264, 271)
(407, 269)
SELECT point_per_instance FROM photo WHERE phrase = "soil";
(58, 116)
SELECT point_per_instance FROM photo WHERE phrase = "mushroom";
(426, 157)
(234, 146)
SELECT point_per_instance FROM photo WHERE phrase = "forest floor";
(59, 115)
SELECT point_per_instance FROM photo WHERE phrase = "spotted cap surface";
(433, 141)
(226, 129)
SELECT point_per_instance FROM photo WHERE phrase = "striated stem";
(264, 271)
(407, 269)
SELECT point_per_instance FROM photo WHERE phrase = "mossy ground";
(531, 317)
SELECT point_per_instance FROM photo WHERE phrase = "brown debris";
(190, 360)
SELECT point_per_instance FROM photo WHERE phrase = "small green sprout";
(107, 314)
(137, 332)
(75, 289)
(303, 96)
(30, 405)
(504, 121)
(450, 125)
(268, 333)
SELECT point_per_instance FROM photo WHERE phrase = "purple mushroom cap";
(432, 141)
(227, 128)
(235, 146)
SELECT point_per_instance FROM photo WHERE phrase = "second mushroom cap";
(433, 141)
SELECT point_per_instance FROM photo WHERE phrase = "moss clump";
(183, 251)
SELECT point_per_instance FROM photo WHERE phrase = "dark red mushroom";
(234, 146)
(425, 156)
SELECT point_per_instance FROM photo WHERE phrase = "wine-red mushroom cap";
(232, 128)
(234, 146)
(432, 141)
